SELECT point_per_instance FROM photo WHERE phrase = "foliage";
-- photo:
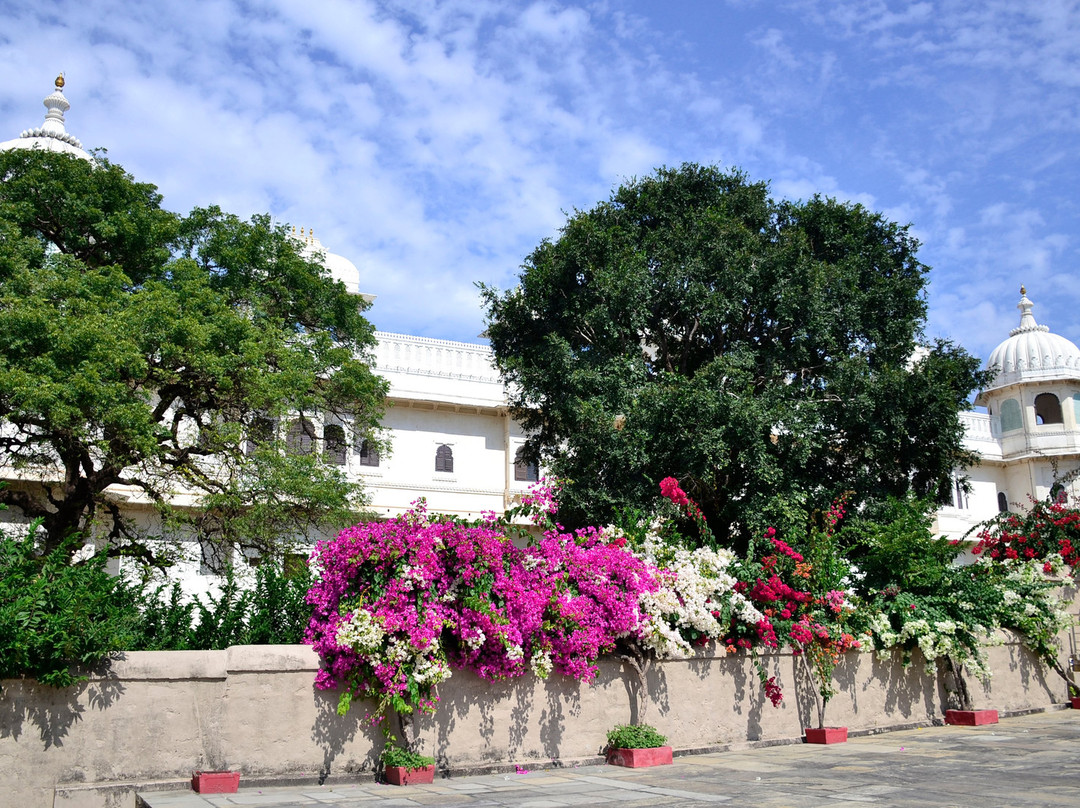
(1047, 531)
(759, 349)
(274, 611)
(892, 545)
(55, 616)
(59, 619)
(393, 755)
(635, 736)
(165, 620)
(914, 594)
(160, 352)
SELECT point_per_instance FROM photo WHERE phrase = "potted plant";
(402, 767)
(636, 746)
(819, 658)
(820, 637)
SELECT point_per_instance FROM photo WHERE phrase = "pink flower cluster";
(669, 488)
(542, 500)
(442, 592)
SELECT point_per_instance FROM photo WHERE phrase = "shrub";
(55, 615)
(635, 736)
(1051, 528)
(396, 756)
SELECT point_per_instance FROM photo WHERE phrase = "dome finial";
(1027, 319)
(52, 134)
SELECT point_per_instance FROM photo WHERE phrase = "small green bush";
(640, 736)
(396, 756)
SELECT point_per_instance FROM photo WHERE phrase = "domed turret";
(51, 135)
(1032, 353)
(340, 267)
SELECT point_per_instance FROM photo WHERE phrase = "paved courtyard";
(1031, 760)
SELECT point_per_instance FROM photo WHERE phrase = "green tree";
(758, 350)
(170, 361)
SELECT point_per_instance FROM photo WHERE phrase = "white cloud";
(435, 142)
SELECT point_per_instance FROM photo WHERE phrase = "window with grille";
(444, 458)
(215, 557)
(525, 471)
(334, 446)
(368, 455)
(260, 433)
(960, 499)
(301, 437)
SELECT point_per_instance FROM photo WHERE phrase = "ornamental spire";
(53, 127)
(1027, 319)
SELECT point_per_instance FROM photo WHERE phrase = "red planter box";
(826, 735)
(400, 776)
(971, 718)
(215, 782)
(1075, 700)
(638, 758)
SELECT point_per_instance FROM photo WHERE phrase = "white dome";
(340, 267)
(1032, 353)
(51, 135)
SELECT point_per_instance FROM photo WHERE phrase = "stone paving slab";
(1030, 761)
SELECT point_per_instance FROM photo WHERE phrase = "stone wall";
(153, 717)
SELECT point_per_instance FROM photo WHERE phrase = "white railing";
(981, 427)
(434, 357)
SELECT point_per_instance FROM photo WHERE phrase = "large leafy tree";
(763, 352)
(154, 364)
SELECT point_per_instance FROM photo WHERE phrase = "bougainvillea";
(399, 604)
(1049, 531)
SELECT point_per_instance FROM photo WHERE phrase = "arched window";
(1047, 409)
(444, 458)
(334, 446)
(301, 437)
(959, 494)
(523, 470)
(259, 434)
(1010, 415)
(368, 455)
(1003, 502)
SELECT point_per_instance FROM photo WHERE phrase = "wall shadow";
(53, 711)
(332, 732)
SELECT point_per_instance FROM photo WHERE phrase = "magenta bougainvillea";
(399, 604)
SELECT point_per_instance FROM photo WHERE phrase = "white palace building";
(454, 442)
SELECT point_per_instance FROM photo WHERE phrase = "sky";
(435, 143)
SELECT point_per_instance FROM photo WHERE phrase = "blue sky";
(436, 143)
